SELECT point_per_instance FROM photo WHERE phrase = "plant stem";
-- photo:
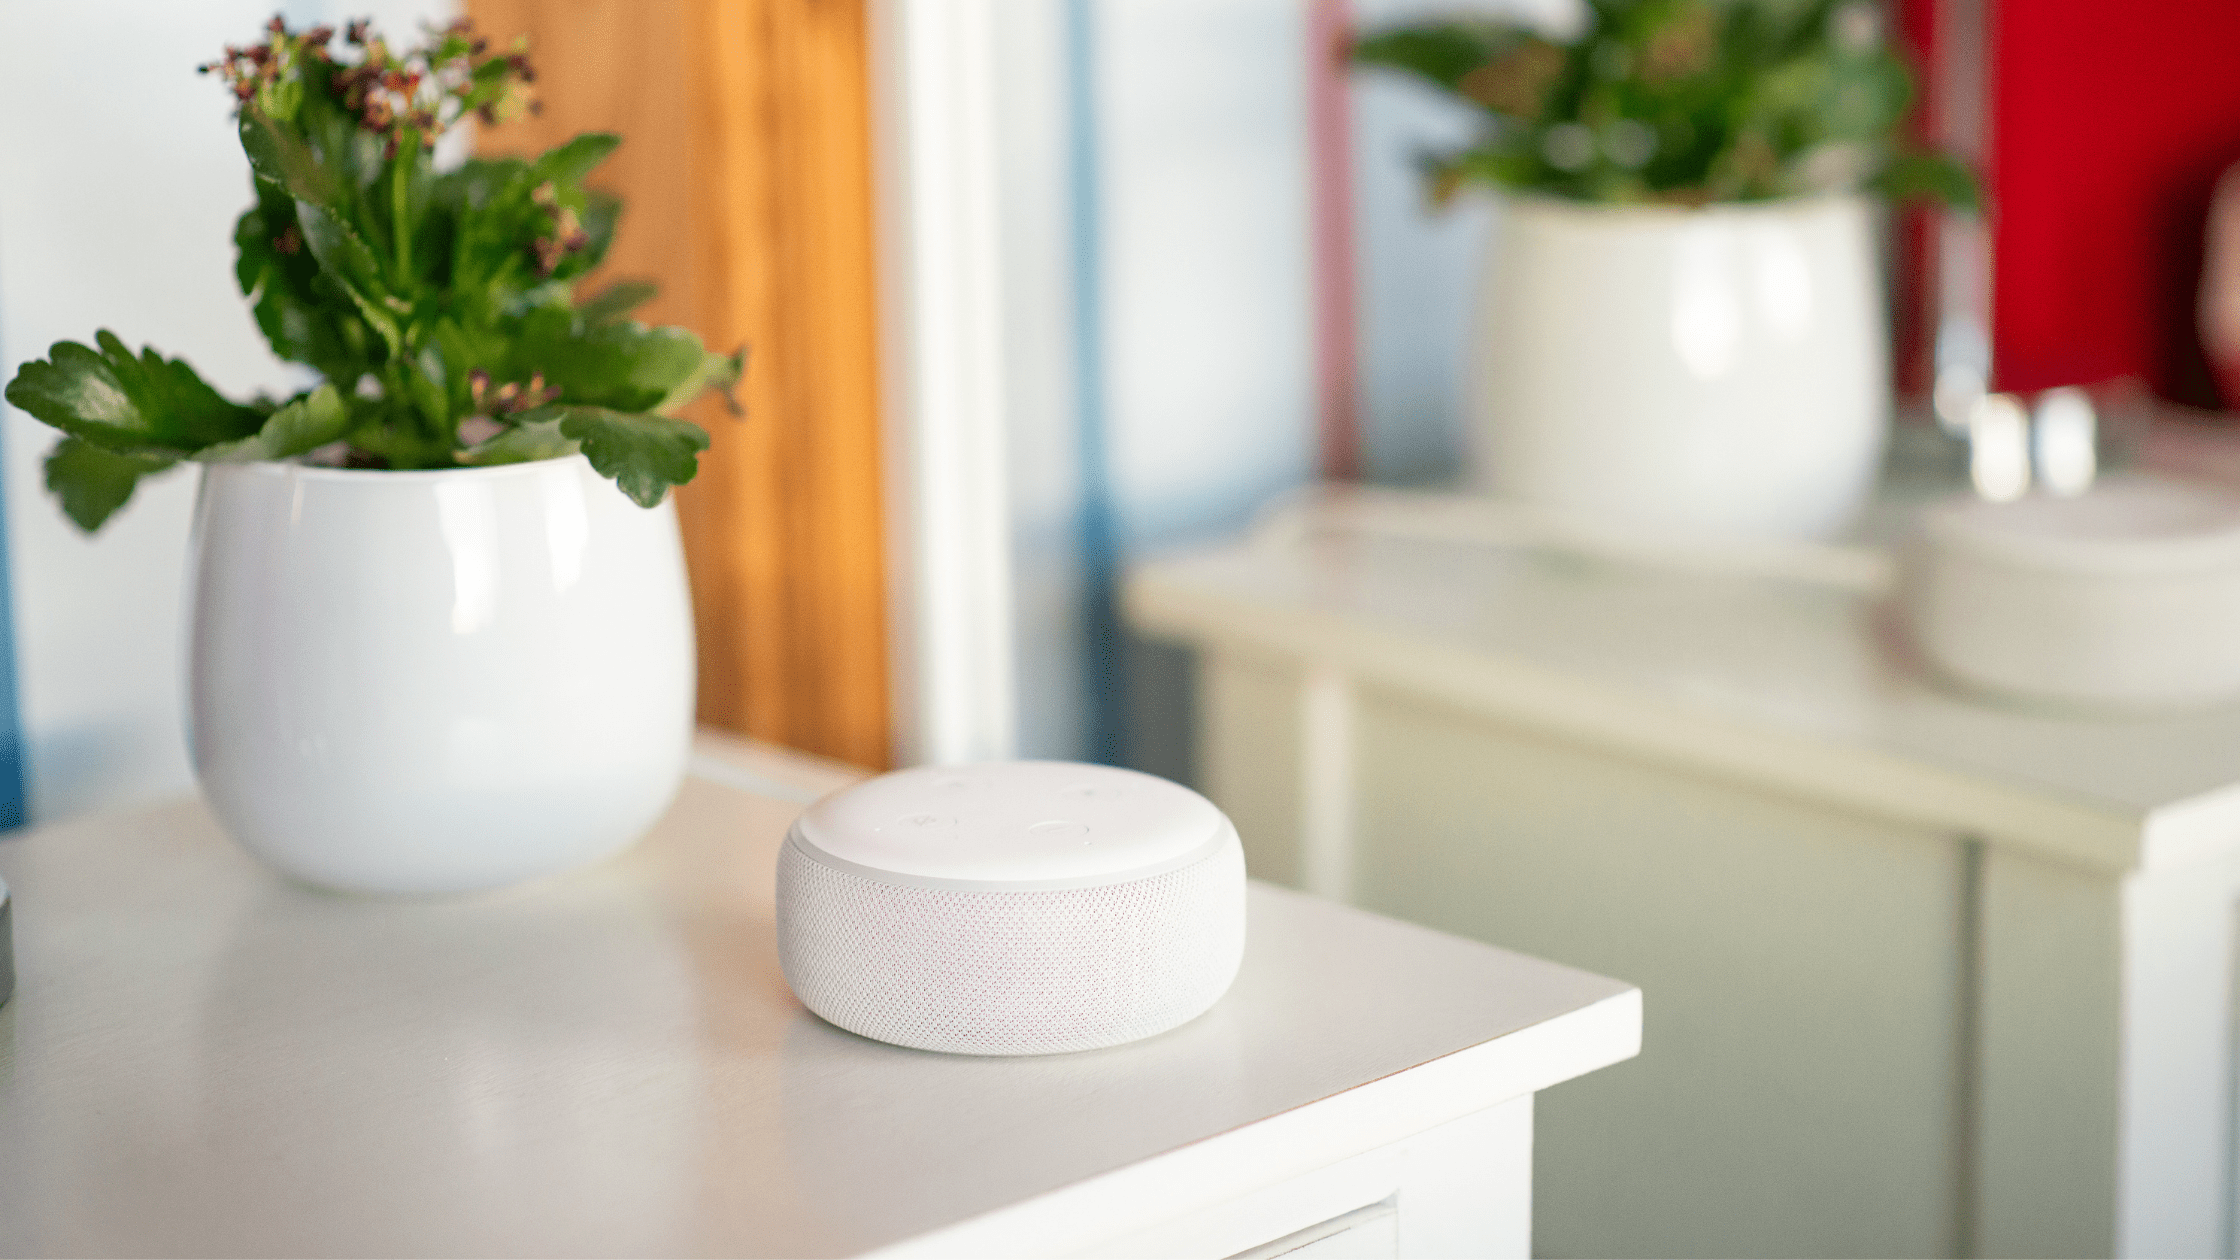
(400, 223)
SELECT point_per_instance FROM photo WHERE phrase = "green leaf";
(493, 222)
(306, 424)
(93, 483)
(279, 156)
(342, 253)
(538, 439)
(602, 212)
(125, 404)
(282, 288)
(425, 382)
(1737, 94)
(402, 446)
(1439, 53)
(644, 454)
(1929, 177)
(717, 372)
(465, 346)
(281, 98)
(255, 256)
(568, 163)
(349, 263)
(625, 366)
(482, 182)
(610, 304)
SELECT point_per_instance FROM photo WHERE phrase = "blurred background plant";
(1680, 102)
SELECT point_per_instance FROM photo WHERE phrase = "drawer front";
(1370, 1233)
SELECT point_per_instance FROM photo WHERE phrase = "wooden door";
(746, 164)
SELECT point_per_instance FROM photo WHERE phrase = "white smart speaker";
(1022, 907)
(2124, 597)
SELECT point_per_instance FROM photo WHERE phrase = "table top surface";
(1771, 668)
(202, 1058)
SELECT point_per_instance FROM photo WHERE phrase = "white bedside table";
(201, 1058)
(1933, 976)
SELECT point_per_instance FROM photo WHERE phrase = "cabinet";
(1933, 976)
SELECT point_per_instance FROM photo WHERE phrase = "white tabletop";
(1802, 682)
(203, 1059)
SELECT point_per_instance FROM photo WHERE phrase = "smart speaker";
(2124, 597)
(1020, 907)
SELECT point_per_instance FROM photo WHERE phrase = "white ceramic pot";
(421, 682)
(1712, 372)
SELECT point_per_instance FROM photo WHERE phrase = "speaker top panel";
(1029, 822)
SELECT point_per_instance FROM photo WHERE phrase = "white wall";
(1200, 237)
(1203, 254)
(1416, 278)
(1048, 579)
(120, 179)
(1418, 265)
(1208, 301)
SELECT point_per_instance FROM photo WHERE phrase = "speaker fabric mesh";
(1030, 972)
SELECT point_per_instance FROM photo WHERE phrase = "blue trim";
(1099, 522)
(13, 810)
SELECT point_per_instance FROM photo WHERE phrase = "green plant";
(1680, 102)
(438, 306)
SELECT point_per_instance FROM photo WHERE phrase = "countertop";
(1781, 667)
(203, 1058)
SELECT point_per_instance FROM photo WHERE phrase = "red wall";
(1913, 299)
(2110, 122)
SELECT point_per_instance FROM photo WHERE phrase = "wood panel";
(747, 166)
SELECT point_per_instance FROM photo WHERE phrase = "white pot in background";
(421, 682)
(1721, 371)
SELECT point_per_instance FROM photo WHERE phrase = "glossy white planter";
(420, 682)
(1712, 372)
